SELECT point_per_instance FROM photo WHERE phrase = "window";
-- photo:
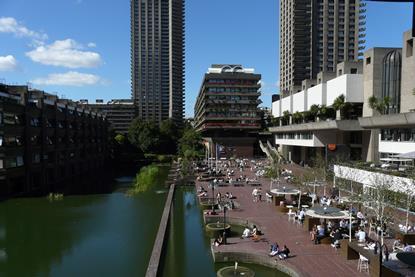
(368, 60)
(353, 71)
(409, 47)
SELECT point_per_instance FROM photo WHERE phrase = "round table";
(407, 258)
(327, 213)
(286, 191)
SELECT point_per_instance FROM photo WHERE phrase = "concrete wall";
(395, 147)
(300, 101)
(276, 108)
(408, 73)
(286, 104)
(350, 85)
(317, 95)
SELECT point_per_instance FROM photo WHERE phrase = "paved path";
(307, 259)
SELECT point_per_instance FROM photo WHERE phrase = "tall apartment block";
(157, 58)
(315, 36)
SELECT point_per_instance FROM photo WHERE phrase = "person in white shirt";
(246, 233)
(301, 216)
(361, 235)
(407, 248)
(255, 194)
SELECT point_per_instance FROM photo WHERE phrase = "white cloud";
(92, 45)
(8, 63)
(10, 25)
(66, 53)
(71, 78)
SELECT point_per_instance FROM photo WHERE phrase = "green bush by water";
(148, 177)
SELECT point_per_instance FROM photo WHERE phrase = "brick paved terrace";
(307, 259)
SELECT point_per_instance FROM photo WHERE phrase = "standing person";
(259, 193)
(301, 216)
(254, 194)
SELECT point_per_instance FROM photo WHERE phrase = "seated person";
(283, 254)
(231, 196)
(361, 235)
(337, 236)
(320, 234)
(218, 241)
(397, 245)
(323, 200)
(246, 233)
(407, 248)
(227, 195)
(255, 233)
(274, 249)
(343, 224)
(360, 215)
(313, 233)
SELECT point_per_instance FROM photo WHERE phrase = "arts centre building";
(365, 110)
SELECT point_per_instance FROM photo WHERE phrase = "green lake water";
(92, 235)
(104, 235)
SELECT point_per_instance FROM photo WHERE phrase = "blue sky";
(80, 49)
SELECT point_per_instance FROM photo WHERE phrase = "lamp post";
(350, 223)
(212, 185)
(224, 224)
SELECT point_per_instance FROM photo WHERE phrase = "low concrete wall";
(154, 263)
(252, 258)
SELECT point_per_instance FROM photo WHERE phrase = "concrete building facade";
(226, 110)
(157, 59)
(118, 112)
(317, 35)
(49, 144)
(386, 75)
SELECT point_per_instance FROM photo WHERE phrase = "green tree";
(190, 144)
(379, 105)
(338, 105)
(120, 139)
(169, 135)
(314, 110)
(298, 117)
(145, 135)
(286, 117)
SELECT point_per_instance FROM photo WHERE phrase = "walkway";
(307, 259)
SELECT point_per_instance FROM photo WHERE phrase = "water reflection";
(94, 235)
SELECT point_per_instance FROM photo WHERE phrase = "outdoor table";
(407, 258)
(314, 215)
(290, 206)
(352, 249)
(280, 194)
(408, 238)
(305, 206)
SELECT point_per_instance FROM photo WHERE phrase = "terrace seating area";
(263, 211)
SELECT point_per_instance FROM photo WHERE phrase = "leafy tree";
(190, 144)
(298, 117)
(314, 110)
(338, 105)
(145, 135)
(120, 139)
(169, 135)
(325, 112)
(286, 117)
(379, 105)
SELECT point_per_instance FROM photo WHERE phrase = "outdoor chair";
(363, 264)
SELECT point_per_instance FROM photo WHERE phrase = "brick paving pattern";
(307, 259)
